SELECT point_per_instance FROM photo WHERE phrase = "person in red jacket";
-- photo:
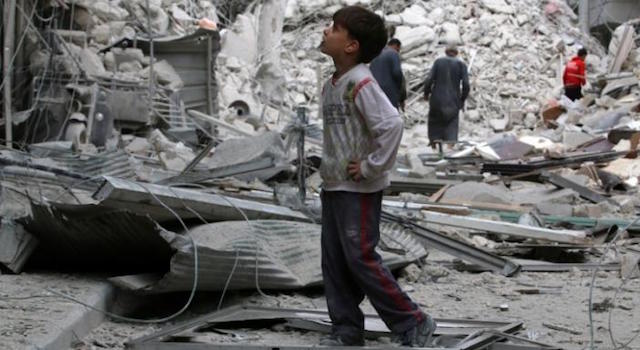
(575, 76)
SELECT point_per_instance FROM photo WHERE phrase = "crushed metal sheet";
(287, 254)
(511, 168)
(108, 163)
(92, 237)
(190, 333)
(149, 199)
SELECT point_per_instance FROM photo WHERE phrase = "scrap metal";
(150, 199)
(583, 191)
(180, 336)
(269, 254)
(507, 228)
(512, 168)
(456, 248)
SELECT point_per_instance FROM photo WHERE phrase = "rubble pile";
(193, 138)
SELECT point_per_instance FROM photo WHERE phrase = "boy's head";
(582, 53)
(356, 32)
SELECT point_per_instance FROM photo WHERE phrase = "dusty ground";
(30, 315)
(452, 295)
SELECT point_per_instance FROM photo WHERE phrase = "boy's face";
(337, 42)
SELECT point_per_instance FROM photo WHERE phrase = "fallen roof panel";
(270, 254)
(154, 200)
(89, 237)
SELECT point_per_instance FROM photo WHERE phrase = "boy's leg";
(360, 234)
(342, 293)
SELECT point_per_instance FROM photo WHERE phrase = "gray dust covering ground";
(448, 293)
(31, 315)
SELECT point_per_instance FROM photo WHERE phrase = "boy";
(574, 76)
(362, 132)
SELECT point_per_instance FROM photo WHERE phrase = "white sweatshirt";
(359, 124)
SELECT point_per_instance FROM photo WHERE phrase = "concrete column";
(583, 15)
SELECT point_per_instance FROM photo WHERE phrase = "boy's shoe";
(337, 340)
(419, 336)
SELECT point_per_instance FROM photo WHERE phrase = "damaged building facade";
(161, 159)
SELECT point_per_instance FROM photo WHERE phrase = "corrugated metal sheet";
(93, 238)
(287, 255)
(108, 163)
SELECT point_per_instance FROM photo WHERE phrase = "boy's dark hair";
(395, 41)
(582, 52)
(364, 26)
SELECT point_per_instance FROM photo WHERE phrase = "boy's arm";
(384, 124)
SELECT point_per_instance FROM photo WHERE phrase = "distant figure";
(388, 73)
(575, 76)
(446, 89)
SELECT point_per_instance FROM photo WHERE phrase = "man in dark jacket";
(575, 76)
(388, 73)
(446, 89)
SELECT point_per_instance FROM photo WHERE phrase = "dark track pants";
(351, 268)
(573, 92)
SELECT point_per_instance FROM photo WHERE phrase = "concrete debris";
(174, 156)
(144, 124)
(165, 74)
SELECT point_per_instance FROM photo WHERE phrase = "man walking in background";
(446, 89)
(388, 73)
(575, 76)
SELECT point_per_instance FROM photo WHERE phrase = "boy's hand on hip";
(354, 170)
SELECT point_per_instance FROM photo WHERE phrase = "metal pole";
(302, 120)
(152, 59)
(9, 29)
(583, 15)
(209, 77)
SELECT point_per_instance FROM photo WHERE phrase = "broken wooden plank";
(150, 199)
(16, 245)
(562, 236)
(438, 195)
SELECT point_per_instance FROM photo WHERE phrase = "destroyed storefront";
(173, 148)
